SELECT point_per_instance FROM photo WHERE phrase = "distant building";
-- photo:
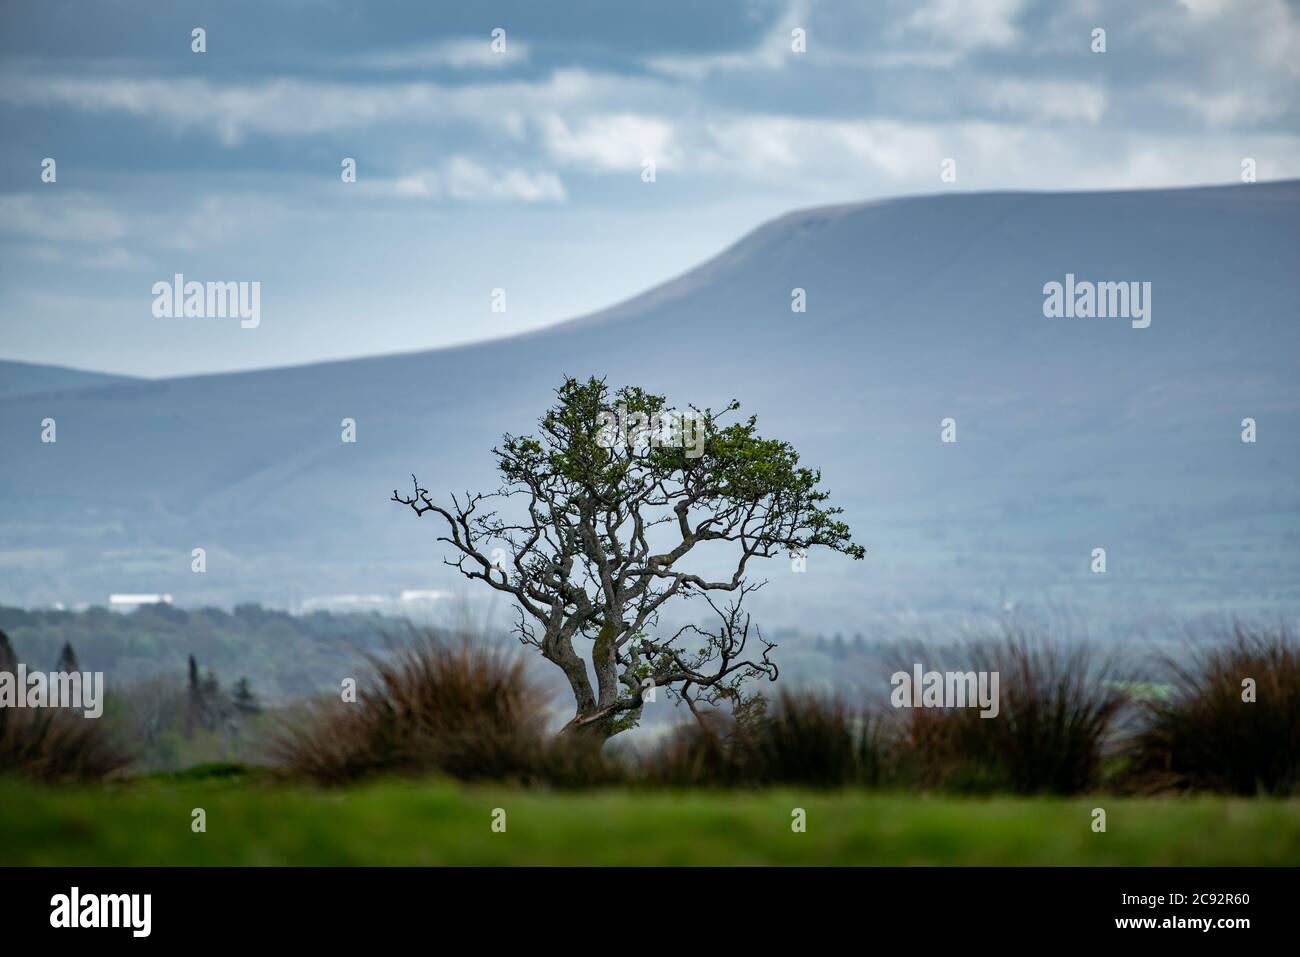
(132, 602)
(423, 594)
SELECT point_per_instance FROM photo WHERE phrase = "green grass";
(255, 822)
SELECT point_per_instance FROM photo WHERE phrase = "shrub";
(1056, 710)
(816, 740)
(57, 745)
(1203, 735)
(463, 710)
(54, 744)
(698, 754)
(807, 740)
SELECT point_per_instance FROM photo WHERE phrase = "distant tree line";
(207, 706)
(285, 656)
(839, 649)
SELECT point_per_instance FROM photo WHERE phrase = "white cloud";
(113, 257)
(1227, 109)
(1046, 100)
(804, 159)
(293, 107)
(468, 181)
(464, 180)
(968, 24)
(1246, 58)
(619, 141)
(56, 216)
(772, 52)
(1205, 8)
(607, 123)
(83, 221)
(819, 151)
(460, 54)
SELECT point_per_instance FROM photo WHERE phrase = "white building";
(127, 602)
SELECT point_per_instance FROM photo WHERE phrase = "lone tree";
(592, 527)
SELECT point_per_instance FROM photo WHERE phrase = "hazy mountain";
(30, 378)
(1071, 433)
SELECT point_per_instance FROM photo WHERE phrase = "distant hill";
(29, 378)
(1072, 433)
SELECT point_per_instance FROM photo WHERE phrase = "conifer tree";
(245, 700)
(67, 660)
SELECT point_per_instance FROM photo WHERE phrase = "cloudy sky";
(523, 170)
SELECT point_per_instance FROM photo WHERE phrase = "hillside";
(30, 378)
(1072, 433)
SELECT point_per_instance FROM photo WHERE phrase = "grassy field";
(255, 823)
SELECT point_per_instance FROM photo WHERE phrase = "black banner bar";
(336, 905)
